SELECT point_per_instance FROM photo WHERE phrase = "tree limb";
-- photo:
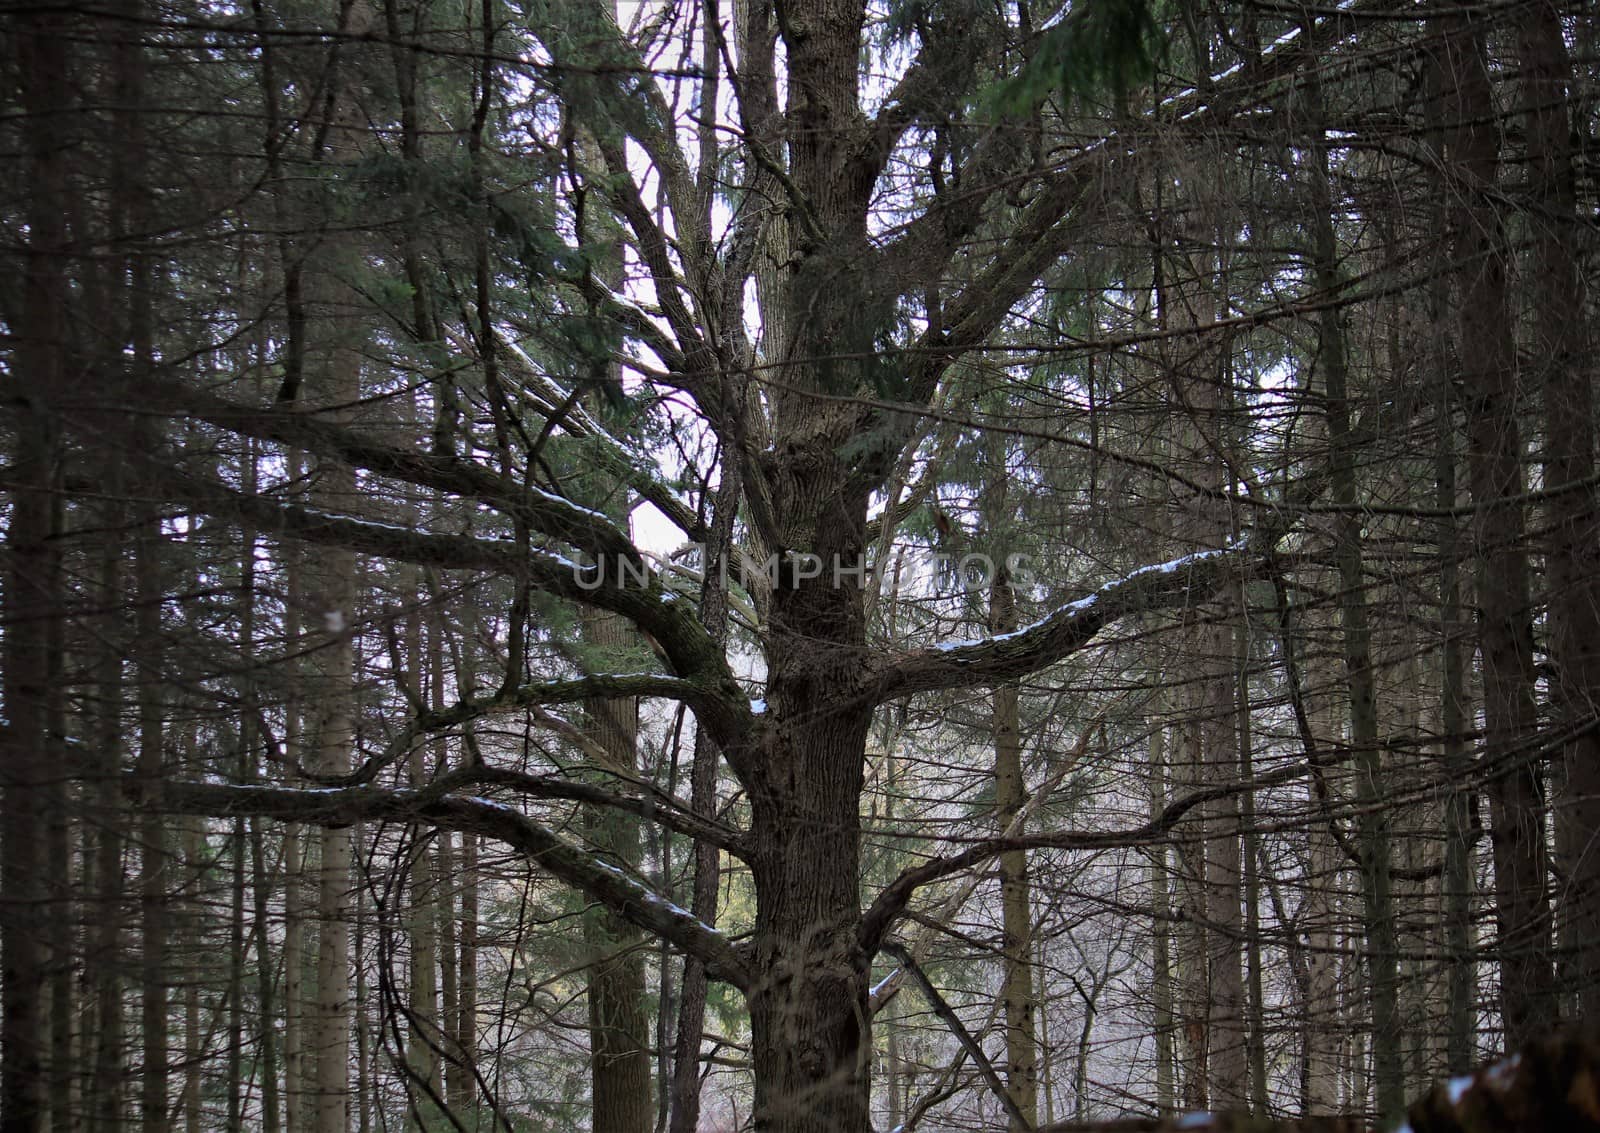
(892, 900)
(1185, 581)
(600, 882)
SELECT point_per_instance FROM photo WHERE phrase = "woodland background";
(341, 341)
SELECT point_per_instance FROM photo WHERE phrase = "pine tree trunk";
(29, 608)
(266, 999)
(467, 973)
(808, 1019)
(619, 1025)
(1459, 880)
(1494, 462)
(296, 1071)
(62, 806)
(1160, 914)
(1319, 919)
(1560, 354)
(104, 962)
(193, 1036)
(1356, 645)
(1256, 1028)
(422, 896)
(154, 1087)
(1011, 792)
(334, 352)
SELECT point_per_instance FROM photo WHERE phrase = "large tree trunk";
(1494, 460)
(808, 1015)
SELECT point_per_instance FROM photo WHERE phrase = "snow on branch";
(1188, 580)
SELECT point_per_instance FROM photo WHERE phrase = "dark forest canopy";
(794, 565)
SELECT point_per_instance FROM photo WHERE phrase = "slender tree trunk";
(236, 962)
(363, 1091)
(684, 1102)
(1356, 643)
(684, 1106)
(266, 1019)
(297, 1067)
(328, 1019)
(1458, 881)
(155, 1087)
(334, 383)
(1011, 792)
(104, 963)
(29, 606)
(1080, 1075)
(61, 807)
(1494, 461)
(1560, 354)
(1255, 996)
(1214, 752)
(1319, 921)
(619, 1025)
(423, 906)
(296, 1071)
(1161, 913)
(467, 972)
(29, 601)
(460, 1090)
(193, 1036)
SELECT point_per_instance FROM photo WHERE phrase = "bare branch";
(544, 512)
(891, 902)
(707, 684)
(603, 883)
(514, 700)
